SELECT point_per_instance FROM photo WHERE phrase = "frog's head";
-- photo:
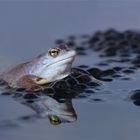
(55, 64)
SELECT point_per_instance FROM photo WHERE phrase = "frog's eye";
(54, 52)
(54, 119)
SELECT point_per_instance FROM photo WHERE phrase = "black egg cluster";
(135, 97)
(78, 82)
(110, 43)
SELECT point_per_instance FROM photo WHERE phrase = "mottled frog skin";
(50, 66)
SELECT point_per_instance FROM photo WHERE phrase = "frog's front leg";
(29, 82)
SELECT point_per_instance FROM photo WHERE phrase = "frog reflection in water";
(47, 67)
(58, 111)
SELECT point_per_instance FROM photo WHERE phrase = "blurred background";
(28, 28)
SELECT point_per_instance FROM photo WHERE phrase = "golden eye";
(54, 119)
(54, 52)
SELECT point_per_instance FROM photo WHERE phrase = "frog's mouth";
(65, 59)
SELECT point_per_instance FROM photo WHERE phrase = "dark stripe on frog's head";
(63, 46)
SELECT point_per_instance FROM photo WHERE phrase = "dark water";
(110, 112)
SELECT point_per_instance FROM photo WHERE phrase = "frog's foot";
(29, 83)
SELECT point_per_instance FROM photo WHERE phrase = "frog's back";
(14, 74)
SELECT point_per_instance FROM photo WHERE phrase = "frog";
(50, 66)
